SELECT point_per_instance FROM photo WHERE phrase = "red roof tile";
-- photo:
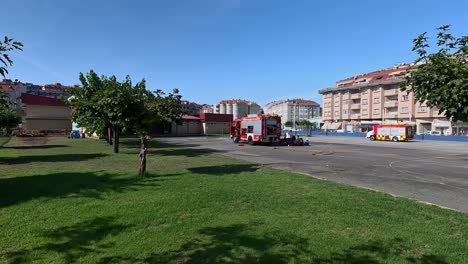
(31, 99)
(190, 117)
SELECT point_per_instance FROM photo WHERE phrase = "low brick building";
(44, 113)
(215, 123)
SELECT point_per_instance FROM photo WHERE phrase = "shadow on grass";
(373, 252)
(82, 239)
(50, 158)
(59, 185)
(230, 244)
(37, 147)
(225, 169)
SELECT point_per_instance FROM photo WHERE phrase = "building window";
(364, 92)
(376, 89)
(376, 111)
(422, 109)
(337, 95)
(345, 112)
(364, 112)
(404, 110)
(337, 104)
(364, 101)
(404, 98)
(336, 113)
(376, 100)
(346, 101)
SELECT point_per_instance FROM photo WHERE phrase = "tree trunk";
(109, 135)
(143, 150)
(116, 139)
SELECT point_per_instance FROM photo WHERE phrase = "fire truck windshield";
(271, 129)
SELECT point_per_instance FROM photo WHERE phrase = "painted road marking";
(391, 155)
(448, 157)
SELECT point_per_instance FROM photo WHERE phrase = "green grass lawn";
(4, 140)
(73, 201)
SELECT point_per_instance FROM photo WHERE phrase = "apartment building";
(357, 103)
(190, 108)
(293, 110)
(237, 107)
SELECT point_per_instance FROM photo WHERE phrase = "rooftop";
(298, 101)
(31, 99)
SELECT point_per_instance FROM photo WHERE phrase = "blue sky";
(259, 50)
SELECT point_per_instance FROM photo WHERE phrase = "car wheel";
(250, 140)
(235, 140)
(395, 139)
(372, 137)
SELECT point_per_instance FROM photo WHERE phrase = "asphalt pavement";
(434, 172)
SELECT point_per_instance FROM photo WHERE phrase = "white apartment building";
(293, 110)
(359, 102)
(237, 107)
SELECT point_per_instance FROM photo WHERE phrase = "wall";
(47, 124)
(210, 128)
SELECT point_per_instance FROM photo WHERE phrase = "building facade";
(359, 102)
(44, 114)
(190, 108)
(237, 108)
(293, 110)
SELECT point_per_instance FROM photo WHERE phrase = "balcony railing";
(391, 104)
(391, 114)
(356, 106)
(355, 116)
(391, 92)
(355, 96)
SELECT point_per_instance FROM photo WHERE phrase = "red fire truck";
(256, 129)
(393, 132)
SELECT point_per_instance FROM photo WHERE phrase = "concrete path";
(429, 171)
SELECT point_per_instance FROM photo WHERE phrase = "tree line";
(106, 106)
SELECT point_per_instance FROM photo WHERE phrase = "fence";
(358, 134)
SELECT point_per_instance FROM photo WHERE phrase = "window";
(364, 101)
(404, 98)
(345, 112)
(337, 95)
(345, 102)
(364, 112)
(337, 113)
(404, 110)
(337, 104)
(364, 92)
(376, 89)
(422, 109)
(250, 129)
(376, 100)
(376, 111)
(244, 131)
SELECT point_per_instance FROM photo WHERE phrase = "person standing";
(289, 137)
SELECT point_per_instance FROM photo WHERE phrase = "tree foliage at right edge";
(440, 79)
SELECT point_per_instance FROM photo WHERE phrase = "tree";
(6, 46)
(4, 102)
(440, 79)
(153, 109)
(289, 124)
(8, 121)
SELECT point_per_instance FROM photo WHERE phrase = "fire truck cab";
(393, 132)
(256, 129)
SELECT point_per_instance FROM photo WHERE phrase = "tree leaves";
(442, 79)
(7, 45)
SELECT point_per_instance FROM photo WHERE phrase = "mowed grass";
(73, 201)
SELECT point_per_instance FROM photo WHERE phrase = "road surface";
(435, 172)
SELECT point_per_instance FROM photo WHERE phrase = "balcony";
(356, 106)
(355, 96)
(391, 104)
(391, 92)
(391, 115)
(356, 116)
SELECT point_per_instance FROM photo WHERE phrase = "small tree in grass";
(441, 78)
(8, 121)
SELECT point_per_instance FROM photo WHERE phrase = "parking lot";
(429, 171)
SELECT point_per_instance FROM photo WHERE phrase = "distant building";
(190, 108)
(293, 110)
(207, 108)
(237, 107)
(44, 114)
(357, 103)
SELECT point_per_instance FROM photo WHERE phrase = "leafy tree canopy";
(440, 79)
